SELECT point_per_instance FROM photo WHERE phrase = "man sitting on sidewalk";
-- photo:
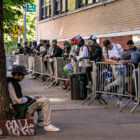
(19, 100)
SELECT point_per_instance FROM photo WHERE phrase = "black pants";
(88, 71)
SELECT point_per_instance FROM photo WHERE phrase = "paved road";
(82, 122)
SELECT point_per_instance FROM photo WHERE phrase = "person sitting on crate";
(22, 103)
(132, 55)
(112, 53)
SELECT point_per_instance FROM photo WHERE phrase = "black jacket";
(96, 54)
(27, 51)
(16, 86)
(57, 52)
(21, 50)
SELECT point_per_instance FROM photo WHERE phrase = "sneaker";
(119, 104)
(51, 128)
(64, 86)
(40, 124)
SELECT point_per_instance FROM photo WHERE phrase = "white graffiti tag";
(15, 128)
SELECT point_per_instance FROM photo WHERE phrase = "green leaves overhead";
(13, 14)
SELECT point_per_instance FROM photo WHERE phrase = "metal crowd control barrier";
(59, 65)
(31, 63)
(137, 85)
(113, 79)
(23, 60)
(9, 62)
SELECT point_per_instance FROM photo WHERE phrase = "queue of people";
(84, 52)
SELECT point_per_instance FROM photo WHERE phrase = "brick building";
(117, 20)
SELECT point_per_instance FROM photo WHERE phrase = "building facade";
(117, 20)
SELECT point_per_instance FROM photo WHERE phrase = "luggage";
(78, 86)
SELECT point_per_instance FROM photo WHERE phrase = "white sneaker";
(119, 104)
(51, 128)
(40, 124)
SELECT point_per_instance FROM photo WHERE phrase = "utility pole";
(24, 22)
(18, 35)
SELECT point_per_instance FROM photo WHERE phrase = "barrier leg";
(103, 100)
(135, 107)
(88, 98)
(93, 98)
(53, 83)
(51, 80)
(125, 105)
(48, 79)
(38, 78)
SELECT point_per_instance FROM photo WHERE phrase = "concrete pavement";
(82, 122)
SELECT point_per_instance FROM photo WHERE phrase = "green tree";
(9, 14)
(13, 16)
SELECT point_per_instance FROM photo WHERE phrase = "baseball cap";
(77, 37)
(54, 41)
(20, 69)
(92, 37)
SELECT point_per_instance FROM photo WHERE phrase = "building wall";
(122, 40)
(114, 17)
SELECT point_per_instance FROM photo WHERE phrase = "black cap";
(20, 69)
(130, 42)
(18, 44)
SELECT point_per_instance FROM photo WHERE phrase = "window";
(50, 8)
(60, 6)
(82, 3)
(45, 9)
(71, 5)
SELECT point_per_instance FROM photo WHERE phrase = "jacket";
(57, 52)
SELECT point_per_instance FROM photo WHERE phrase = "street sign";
(31, 8)
(21, 30)
(17, 30)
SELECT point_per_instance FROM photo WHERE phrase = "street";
(82, 122)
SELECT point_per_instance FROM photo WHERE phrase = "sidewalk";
(82, 122)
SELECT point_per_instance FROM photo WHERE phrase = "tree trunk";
(4, 97)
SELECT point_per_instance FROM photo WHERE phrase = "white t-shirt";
(83, 53)
(42, 49)
(115, 51)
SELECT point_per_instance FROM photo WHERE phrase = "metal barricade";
(137, 85)
(46, 68)
(23, 60)
(37, 65)
(9, 62)
(20, 59)
(114, 79)
(31, 64)
(59, 65)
